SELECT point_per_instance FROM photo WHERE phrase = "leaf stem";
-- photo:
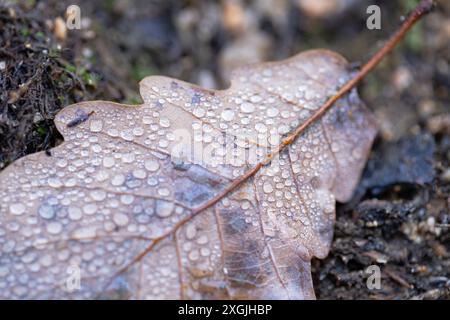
(423, 8)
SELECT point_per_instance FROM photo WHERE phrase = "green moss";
(70, 68)
(30, 3)
(109, 4)
(40, 35)
(414, 39)
(54, 52)
(139, 72)
(89, 78)
(133, 100)
(41, 131)
(25, 32)
(61, 100)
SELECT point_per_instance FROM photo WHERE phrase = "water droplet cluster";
(129, 175)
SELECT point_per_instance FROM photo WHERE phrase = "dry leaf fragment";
(324, 8)
(114, 203)
(60, 29)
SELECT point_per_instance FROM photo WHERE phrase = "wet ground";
(399, 217)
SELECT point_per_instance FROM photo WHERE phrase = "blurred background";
(399, 214)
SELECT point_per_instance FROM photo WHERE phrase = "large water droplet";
(138, 131)
(84, 232)
(90, 208)
(139, 174)
(17, 209)
(46, 211)
(151, 165)
(194, 255)
(164, 208)
(191, 231)
(127, 135)
(121, 219)
(199, 112)
(272, 112)
(164, 192)
(147, 120)
(54, 227)
(98, 195)
(227, 115)
(62, 163)
(101, 176)
(267, 187)
(108, 162)
(247, 107)
(128, 157)
(118, 180)
(260, 127)
(255, 99)
(205, 252)
(127, 199)
(55, 182)
(96, 125)
(113, 132)
(202, 240)
(74, 213)
(164, 122)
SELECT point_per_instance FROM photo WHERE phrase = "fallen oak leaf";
(117, 177)
(120, 199)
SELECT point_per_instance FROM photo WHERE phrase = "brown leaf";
(125, 201)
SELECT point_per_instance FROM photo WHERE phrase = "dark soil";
(40, 77)
(399, 217)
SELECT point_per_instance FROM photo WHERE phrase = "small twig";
(421, 10)
(6, 53)
(15, 95)
(397, 278)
